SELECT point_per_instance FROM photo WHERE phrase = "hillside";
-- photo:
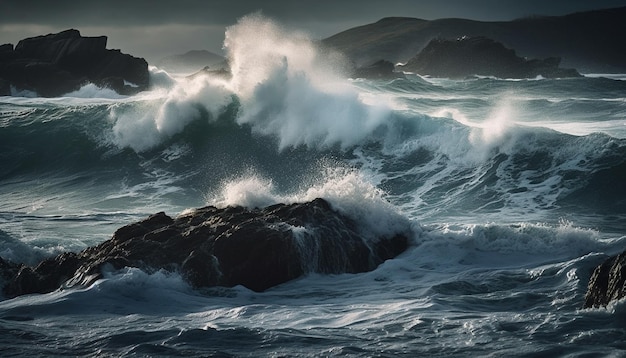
(588, 41)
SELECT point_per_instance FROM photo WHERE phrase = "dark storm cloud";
(144, 12)
(113, 12)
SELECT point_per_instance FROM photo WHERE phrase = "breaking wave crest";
(283, 85)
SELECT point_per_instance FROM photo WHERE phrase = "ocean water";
(513, 191)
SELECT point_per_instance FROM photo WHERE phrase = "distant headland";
(590, 42)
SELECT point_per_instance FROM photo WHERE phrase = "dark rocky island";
(607, 283)
(257, 248)
(55, 64)
(468, 56)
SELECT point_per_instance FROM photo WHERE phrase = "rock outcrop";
(468, 56)
(257, 248)
(55, 64)
(607, 282)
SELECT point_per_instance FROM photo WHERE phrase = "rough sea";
(514, 191)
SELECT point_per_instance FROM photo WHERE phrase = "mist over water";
(512, 192)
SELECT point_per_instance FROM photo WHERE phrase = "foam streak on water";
(511, 192)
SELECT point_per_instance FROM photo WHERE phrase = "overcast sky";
(153, 29)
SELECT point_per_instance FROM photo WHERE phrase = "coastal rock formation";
(55, 64)
(468, 56)
(585, 40)
(607, 283)
(256, 248)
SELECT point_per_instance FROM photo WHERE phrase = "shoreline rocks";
(55, 64)
(256, 248)
(607, 282)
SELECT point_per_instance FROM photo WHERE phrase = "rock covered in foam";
(256, 248)
(56, 64)
(607, 282)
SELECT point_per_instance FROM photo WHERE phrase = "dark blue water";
(514, 191)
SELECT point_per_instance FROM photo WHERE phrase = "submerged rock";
(469, 56)
(607, 282)
(256, 248)
(55, 64)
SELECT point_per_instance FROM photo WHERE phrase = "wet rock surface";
(607, 282)
(256, 248)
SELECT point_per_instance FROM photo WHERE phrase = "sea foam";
(291, 89)
(347, 190)
(285, 86)
(145, 124)
(90, 90)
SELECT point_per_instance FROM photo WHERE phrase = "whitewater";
(512, 190)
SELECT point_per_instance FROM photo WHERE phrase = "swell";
(70, 155)
(438, 148)
(439, 172)
(430, 163)
(49, 137)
